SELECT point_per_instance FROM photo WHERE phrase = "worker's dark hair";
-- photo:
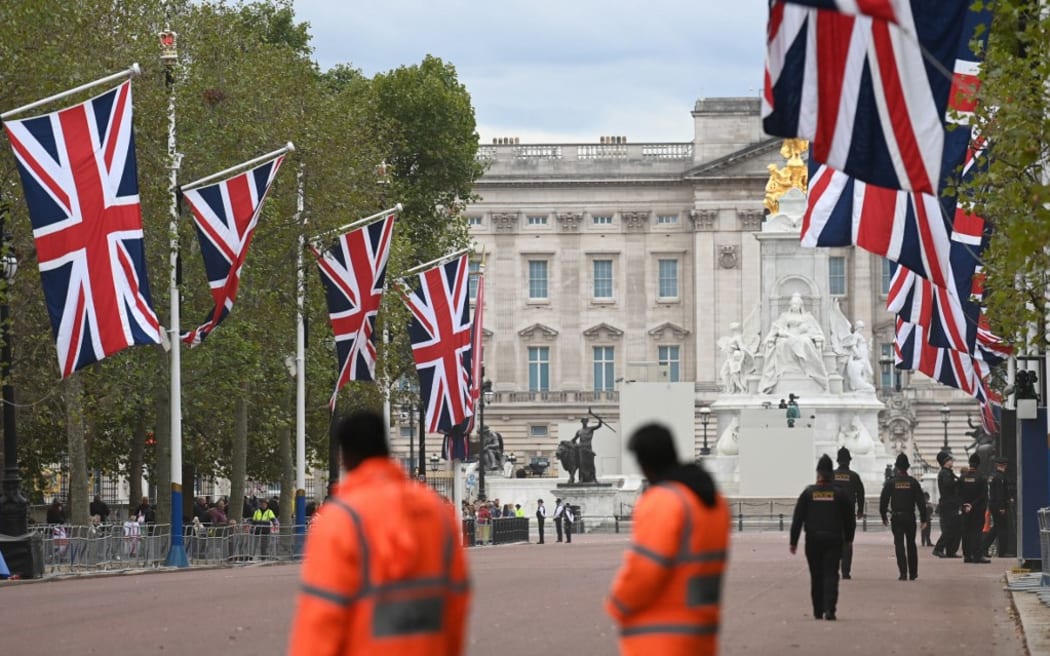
(362, 435)
(653, 447)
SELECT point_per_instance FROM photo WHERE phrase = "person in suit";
(901, 496)
(541, 518)
(559, 514)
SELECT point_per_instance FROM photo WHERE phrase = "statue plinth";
(597, 501)
(575, 486)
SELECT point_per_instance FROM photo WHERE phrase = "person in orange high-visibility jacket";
(667, 594)
(384, 571)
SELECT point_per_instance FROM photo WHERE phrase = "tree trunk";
(77, 503)
(239, 465)
(135, 462)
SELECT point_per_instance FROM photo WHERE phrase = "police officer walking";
(849, 482)
(948, 508)
(1000, 494)
(901, 495)
(973, 492)
(826, 512)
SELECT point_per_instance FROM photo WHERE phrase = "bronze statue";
(584, 451)
(491, 450)
(569, 462)
(983, 445)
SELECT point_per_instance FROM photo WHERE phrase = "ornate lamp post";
(434, 461)
(705, 416)
(410, 417)
(487, 395)
(14, 510)
(946, 413)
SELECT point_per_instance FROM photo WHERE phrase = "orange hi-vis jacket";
(384, 571)
(666, 595)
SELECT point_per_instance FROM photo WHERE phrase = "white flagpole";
(177, 552)
(300, 365)
(443, 258)
(367, 219)
(287, 148)
(133, 71)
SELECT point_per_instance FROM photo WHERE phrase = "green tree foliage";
(1013, 193)
(245, 84)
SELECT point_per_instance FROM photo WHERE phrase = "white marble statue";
(728, 444)
(739, 360)
(853, 357)
(794, 344)
(855, 437)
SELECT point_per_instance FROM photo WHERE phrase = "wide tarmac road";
(535, 599)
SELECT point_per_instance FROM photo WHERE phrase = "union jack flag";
(947, 366)
(884, 9)
(862, 89)
(80, 179)
(354, 274)
(440, 334)
(225, 215)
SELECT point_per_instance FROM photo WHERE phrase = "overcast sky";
(559, 70)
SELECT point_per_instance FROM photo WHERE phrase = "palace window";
(537, 279)
(837, 276)
(887, 276)
(668, 356)
(539, 368)
(667, 218)
(668, 278)
(604, 369)
(474, 220)
(602, 219)
(603, 279)
(537, 220)
(472, 281)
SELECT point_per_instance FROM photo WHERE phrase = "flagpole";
(367, 219)
(439, 260)
(177, 553)
(287, 148)
(132, 71)
(300, 368)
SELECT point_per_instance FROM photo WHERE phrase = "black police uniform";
(973, 492)
(827, 515)
(1000, 492)
(849, 482)
(901, 495)
(948, 509)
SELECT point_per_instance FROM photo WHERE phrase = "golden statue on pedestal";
(793, 175)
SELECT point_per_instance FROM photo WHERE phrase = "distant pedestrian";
(1000, 495)
(926, 529)
(973, 493)
(666, 598)
(568, 517)
(541, 517)
(518, 510)
(827, 515)
(99, 507)
(559, 514)
(262, 526)
(948, 508)
(849, 482)
(902, 496)
(56, 513)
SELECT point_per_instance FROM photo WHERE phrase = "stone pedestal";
(598, 503)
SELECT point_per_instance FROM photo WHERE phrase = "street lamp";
(487, 395)
(410, 417)
(705, 416)
(434, 460)
(14, 510)
(946, 412)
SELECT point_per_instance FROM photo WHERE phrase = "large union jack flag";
(440, 334)
(354, 274)
(225, 215)
(80, 178)
(869, 93)
(884, 9)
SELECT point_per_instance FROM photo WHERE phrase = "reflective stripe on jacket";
(667, 593)
(384, 572)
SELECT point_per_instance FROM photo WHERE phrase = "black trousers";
(973, 527)
(539, 523)
(951, 531)
(847, 559)
(557, 527)
(926, 541)
(903, 527)
(1000, 522)
(823, 556)
(568, 530)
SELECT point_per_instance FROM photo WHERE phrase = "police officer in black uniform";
(973, 492)
(826, 512)
(849, 482)
(1000, 495)
(901, 495)
(948, 508)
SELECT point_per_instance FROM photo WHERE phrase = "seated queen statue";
(795, 344)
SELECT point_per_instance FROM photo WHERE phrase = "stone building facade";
(618, 261)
